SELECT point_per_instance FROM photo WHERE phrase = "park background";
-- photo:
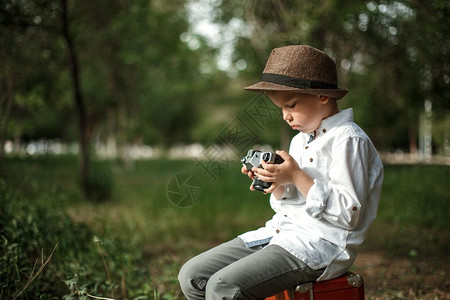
(122, 124)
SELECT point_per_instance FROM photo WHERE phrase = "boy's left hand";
(278, 174)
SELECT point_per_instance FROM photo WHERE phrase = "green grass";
(416, 195)
(145, 238)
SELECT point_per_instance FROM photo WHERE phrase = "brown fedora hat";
(300, 68)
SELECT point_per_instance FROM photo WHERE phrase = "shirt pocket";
(316, 166)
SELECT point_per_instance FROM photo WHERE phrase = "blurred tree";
(78, 98)
(28, 67)
(392, 55)
(6, 105)
(395, 51)
(149, 78)
(138, 78)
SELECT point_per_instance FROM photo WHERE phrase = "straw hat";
(300, 68)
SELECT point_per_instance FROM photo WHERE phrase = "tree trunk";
(4, 114)
(412, 136)
(78, 98)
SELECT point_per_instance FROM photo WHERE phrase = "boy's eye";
(291, 105)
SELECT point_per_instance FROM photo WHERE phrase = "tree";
(139, 84)
(25, 49)
(77, 97)
(390, 54)
(6, 105)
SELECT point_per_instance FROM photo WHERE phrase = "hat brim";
(269, 86)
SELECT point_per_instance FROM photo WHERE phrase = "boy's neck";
(332, 109)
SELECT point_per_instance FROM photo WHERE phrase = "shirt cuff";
(317, 198)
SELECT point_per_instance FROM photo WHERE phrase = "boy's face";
(302, 112)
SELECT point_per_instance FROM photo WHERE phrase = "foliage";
(391, 55)
(82, 262)
(146, 85)
(135, 77)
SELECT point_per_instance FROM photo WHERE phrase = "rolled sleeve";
(317, 198)
(340, 199)
(349, 179)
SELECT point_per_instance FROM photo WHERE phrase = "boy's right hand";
(250, 174)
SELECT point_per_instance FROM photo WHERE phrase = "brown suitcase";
(349, 286)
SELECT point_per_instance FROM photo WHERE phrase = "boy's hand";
(249, 174)
(278, 174)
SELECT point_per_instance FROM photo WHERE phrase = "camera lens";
(266, 156)
(260, 185)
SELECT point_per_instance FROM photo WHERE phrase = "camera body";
(254, 158)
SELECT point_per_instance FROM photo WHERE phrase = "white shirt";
(326, 228)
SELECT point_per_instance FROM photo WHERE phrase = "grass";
(142, 238)
(417, 188)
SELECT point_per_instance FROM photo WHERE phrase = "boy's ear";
(324, 99)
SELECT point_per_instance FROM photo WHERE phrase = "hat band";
(296, 82)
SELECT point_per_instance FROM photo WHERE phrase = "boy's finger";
(271, 188)
(244, 170)
(266, 178)
(267, 166)
(263, 163)
(283, 154)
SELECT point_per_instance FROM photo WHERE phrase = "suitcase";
(349, 286)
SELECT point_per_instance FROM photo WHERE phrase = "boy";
(335, 173)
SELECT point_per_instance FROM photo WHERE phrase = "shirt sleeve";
(341, 198)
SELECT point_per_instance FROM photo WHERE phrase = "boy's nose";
(287, 116)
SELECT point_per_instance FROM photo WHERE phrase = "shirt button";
(324, 130)
(354, 208)
(311, 159)
(306, 147)
(277, 231)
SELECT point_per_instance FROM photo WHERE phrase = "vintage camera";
(254, 158)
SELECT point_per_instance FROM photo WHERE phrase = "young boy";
(335, 173)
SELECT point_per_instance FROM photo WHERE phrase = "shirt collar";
(335, 120)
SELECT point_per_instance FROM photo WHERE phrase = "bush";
(81, 262)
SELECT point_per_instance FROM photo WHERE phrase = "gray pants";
(233, 271)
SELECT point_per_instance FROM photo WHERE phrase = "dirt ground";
(387, 278)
